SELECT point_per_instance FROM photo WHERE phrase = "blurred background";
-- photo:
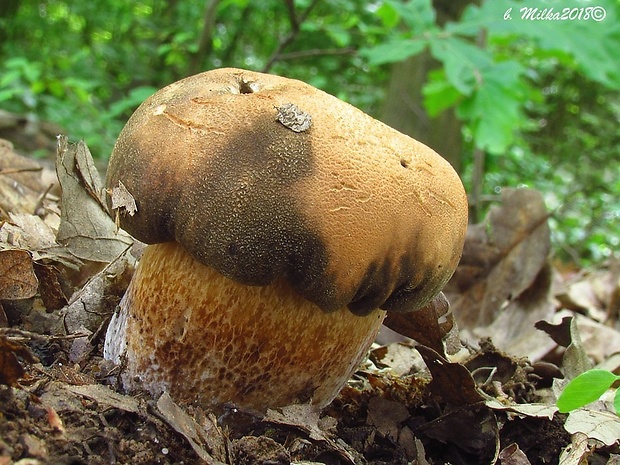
(512, 93)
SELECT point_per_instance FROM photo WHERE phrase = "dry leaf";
(122, 200)
(198, 437)
(400, 358)
(17, 278)
(603, 426)
(577, 452)
(305, 417)
(30, 232)
(452, 382)
(387, 416)
(524, 410)
(50, 289)
(11, 369)
(95, 301)
(512, 455)
(85, 229)
(513, 328)
(20, 181)
(428, 325)
(575, 359)
(105, 395)
(501, 258)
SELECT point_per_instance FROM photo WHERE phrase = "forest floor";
(476, 386)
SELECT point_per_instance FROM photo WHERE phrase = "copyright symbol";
(598, 13)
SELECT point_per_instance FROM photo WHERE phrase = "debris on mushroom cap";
(349, 211)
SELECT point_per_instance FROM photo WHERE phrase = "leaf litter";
(470, 382)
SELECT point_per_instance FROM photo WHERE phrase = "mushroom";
(283, 224)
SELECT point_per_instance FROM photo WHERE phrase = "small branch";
(21, 335)
(296, 22)
(20, 170)
(477, 181)
(292, 15)
(245, 14)
(316, 52)
(205, 43)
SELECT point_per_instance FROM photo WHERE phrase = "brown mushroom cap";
(349, 211)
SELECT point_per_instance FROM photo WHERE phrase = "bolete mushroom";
(284, 223)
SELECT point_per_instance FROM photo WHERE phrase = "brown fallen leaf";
(387, 416)
(305, 418)
(11, 370)
(122, 200)
(31, 233)
(20, 181)
(429, 325)
(50, 288)
(575, 359)
(452, 382)
(17, 277)
(85, 228)
(501, 259)
(512, 455)
(199, 438)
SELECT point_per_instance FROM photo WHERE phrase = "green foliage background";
(538, 98)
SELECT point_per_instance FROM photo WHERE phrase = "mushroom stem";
(209, 340)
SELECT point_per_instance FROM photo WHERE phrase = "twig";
(20, 170)
(41, 198)
(205, 42)
(316, 52)
(23, 335)
(295, 28)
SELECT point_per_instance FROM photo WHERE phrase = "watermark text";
(588, 13)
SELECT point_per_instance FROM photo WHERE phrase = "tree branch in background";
(316, 52)
(296, 22)
(232, 46)
(205, 43)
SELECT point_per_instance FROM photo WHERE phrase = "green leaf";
(393, 51)
(462, 60)
(388, 15)
(586, 388)
(419, 15)
(132, 101)
(592, 44)
(438, 93)
(495, 108)
(7, 94)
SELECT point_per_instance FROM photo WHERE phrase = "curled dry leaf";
(85, 229)
(50, 289)
(512, 455)
(452, 382)
(122, 200)
(204, 441)
(575, 359)
(17, 277)
(306, 418)
(429, 325)
(31, 233)
(11, 369)
(501, 259)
